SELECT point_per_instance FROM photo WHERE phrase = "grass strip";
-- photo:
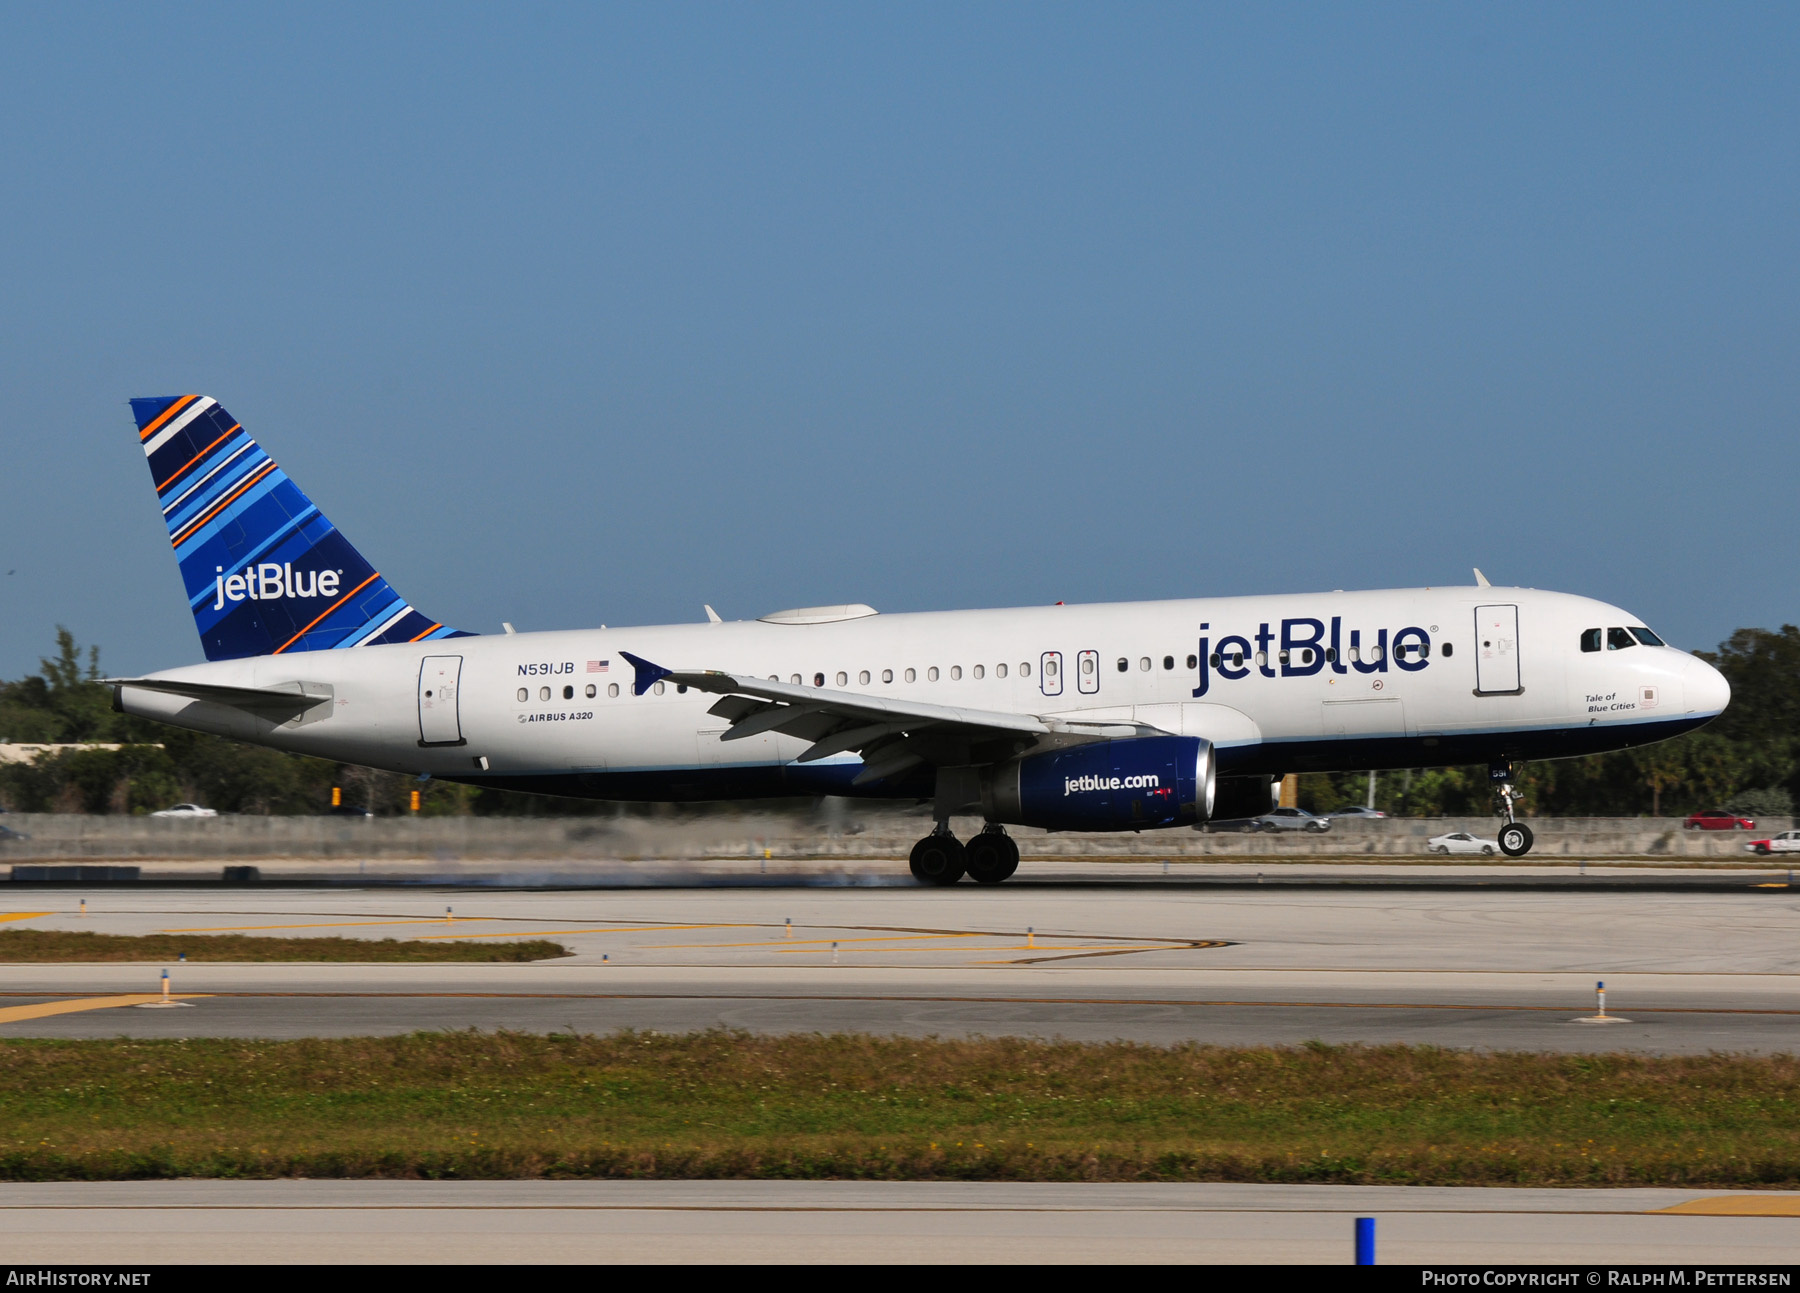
(726, 1105)
(49, 945)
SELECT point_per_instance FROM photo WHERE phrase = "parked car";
(1462, 842)
(1289, 819)
(185, 810)
(1786, 842)
(1356, 811)
(1717, 819)
(8, 833)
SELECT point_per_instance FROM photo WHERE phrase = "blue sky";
(581, 314)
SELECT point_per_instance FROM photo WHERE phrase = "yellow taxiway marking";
(16, 1014)
(590, 929)
(333, 924)
(24, 915)
(801, 942)
(513, 933)
(1739, 1205)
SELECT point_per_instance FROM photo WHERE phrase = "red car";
(1717, 819)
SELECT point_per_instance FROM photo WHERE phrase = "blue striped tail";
(266, 572)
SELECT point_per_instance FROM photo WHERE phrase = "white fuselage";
(557, 711)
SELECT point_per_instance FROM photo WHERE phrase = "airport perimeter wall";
(829, 833)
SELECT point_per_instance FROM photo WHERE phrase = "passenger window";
(862, 679)
(612, 689)
(887, 675)
(1645, 636)
(1168, 662)
(1087, 664)
(912, 675)
(999, 671)
(524, 695)
(1025, 670)
(1355, 653)
(1449, 650)
(659, 688)
(568, 693)
(1590, 640)
(1330, 655)
(1124, 664)
(1144, 664)
(931, 674)
(1282, 656)
(1213, 660)
(1194, 661)
(818, 680)
(1262, 659)
(1618, 640)
(543, 693)
(843, 679)
(795, 680)
(955, 673)
(976, 672)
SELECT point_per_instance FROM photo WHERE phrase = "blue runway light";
(1365, 1241)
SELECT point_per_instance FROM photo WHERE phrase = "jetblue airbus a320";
(1129, 716)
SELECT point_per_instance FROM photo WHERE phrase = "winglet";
(648, 674)
(1481, 580)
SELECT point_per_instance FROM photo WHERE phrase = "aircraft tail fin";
(266, 573)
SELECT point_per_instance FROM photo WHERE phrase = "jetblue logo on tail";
(265, 571)
(269, 582)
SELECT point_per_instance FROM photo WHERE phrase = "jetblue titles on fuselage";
(1308, 646)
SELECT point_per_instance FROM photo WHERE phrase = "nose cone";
(1706, 688)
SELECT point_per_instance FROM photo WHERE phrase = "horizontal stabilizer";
(293, 695)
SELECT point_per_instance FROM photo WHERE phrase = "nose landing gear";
(1515, 836)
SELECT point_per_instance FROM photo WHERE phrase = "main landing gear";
(989, 858)
(1515, 836)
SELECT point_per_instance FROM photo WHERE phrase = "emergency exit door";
(1497, 651)
(440, 722)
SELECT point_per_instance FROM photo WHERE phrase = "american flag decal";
(598, 666)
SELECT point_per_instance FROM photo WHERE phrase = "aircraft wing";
(892, 734)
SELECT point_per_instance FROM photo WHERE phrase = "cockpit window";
(1645, 636)
(1618, 640)
(1590, 639)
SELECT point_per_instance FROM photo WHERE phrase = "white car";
(1786, 842)
(1461, 842)
(186, 810)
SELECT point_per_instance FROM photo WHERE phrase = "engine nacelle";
(1138, 783)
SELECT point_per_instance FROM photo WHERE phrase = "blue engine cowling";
(1139, 783)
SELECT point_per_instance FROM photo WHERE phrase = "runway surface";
(516, 1222)
(1690, 972)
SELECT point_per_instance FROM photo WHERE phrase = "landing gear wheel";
(1515, 839)
(938, 859)
(992, 857)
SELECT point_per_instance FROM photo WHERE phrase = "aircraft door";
(1087, 675)
(1050, 673)
(440, 720)
(1497, 651)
